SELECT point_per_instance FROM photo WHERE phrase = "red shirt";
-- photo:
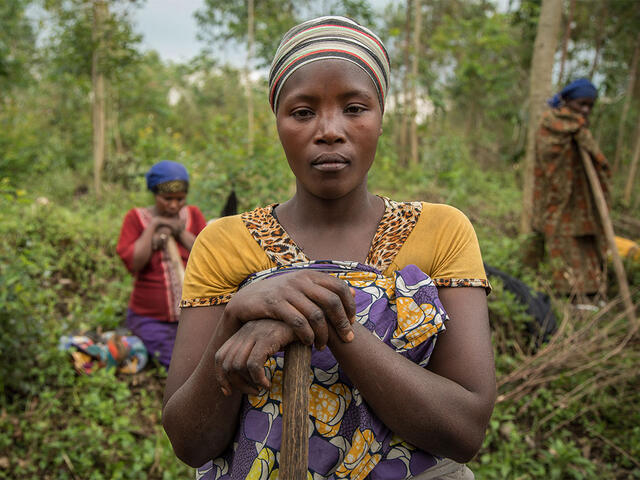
(152, 295)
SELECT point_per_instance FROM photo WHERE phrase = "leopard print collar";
(394, 228)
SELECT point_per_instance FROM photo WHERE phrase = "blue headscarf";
(166, 171)
(581, 88)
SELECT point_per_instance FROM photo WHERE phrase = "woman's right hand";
(174, 225)
(160, 237)
(239, 363)
(309, 302)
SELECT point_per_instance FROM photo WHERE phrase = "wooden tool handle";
(175, 257)
(607, 225)
(294, 452)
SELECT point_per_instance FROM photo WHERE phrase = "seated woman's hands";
(164, 227)
(308, 302)
(239, 363)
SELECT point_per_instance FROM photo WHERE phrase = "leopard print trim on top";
(206, 301)
(463, 282)
(272, 237)
(396, 224)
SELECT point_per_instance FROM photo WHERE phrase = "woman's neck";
(305, 209)
(340, 229)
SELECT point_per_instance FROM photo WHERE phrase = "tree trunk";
(544, 49)
(100, 14)
(249, 90)
(404, 123)
(633, 169)
(627, 103)
(600, 34)
(417, 29)
(565, 40)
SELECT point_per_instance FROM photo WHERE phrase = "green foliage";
(225, 22)
(59, 274)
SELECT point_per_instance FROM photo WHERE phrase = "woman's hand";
(240, 361)
(174, 225)
(306, 301)
(160, 237)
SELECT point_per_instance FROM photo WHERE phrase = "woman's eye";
(302, 114)
(354, 109)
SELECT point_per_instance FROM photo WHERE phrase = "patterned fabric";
(173, 186)
(347, 439)
(563, 202)
(329, 37)
(125, 353)
(397, 223)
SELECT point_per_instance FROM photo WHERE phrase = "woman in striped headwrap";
(374, 280)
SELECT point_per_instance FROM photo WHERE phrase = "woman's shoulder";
(224, 228)
(236, 232)
(138, 215)
(442, 213)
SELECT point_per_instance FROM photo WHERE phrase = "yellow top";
(437, 238)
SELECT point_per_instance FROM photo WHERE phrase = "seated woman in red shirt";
(153, 306)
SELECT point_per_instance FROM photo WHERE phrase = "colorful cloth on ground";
(159, 337)
(439, 239)
(330, 37)
(157, 288)
(125, 353)
(563, 202)
(166, 171)
(347, 440)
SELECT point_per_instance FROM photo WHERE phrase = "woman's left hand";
(239, 363)
(175, 225)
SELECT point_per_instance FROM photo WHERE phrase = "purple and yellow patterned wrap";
(347, 440)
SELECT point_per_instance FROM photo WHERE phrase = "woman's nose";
(330, 128)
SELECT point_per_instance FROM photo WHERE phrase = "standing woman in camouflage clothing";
(565, 217)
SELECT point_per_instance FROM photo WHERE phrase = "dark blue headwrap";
(166, 171)
(581, 88)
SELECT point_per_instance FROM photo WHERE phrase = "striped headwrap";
(329, 37)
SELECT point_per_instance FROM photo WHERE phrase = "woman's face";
(582, 105)
(169, 204)
(329, 121)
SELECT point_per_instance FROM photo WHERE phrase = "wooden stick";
(294, 452)
(175, 257)
(607, 225)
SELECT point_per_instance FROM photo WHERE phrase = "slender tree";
(100, 16)
(417, 29)
(565, 40)
(544, 49)
(600, 36)
(633, 68)
(406, 58)
(633, 168)
(249, 89)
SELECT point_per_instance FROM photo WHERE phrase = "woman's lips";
(330, 162)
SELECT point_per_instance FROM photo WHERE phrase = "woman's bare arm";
(198, 418)
(444, 409)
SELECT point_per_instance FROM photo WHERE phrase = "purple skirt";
(156, 335)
